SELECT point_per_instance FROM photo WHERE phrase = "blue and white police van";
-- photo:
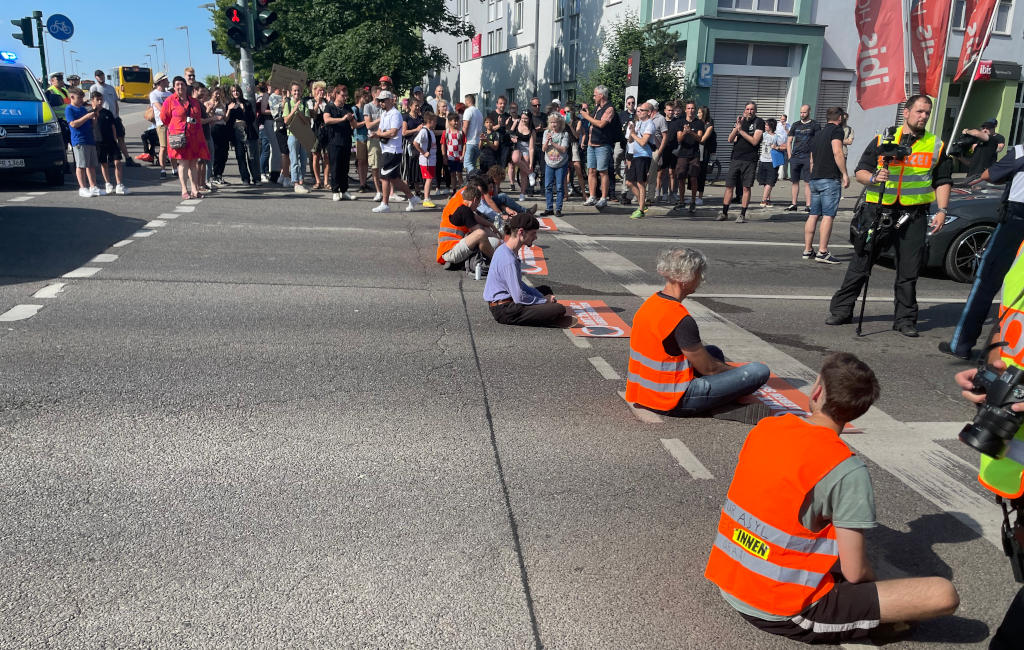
(30, 136)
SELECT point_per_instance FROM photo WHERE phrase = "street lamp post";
(72, 53)
(188, 45)
(77, 68)
(164, 46)
(156, 55)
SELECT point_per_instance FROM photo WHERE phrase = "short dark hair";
(77, 91)
(850, 387)
(177, 79)
(913, 99)
(470, 192)
(523, 220)
(834, 113)
(96, 95)
(687, 102)
(772, 123)
(99, 72)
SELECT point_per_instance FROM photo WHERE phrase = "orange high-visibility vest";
(449, 235)
(762, 554)
(656, 379)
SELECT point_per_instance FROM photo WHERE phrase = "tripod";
(873, 242)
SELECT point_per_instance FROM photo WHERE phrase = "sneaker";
(791, 208)
(825, 257)
(533, 179)
(700, 201)
(119, 190)
(216, 182)
(110, 188)
(601, 203)
(547, 212)
(84, 193)
(266, 178)
(174, 171)
(95, 191)
(395, 198)
(558, 213)
(428, 204)
(301, 189)
(522, 198)
(347, 196)
(807, 209)
(383, 207)
(763, 205)
(637, 214)
(590, 202)
(740, 218)
(378, 197)
(693, 209)
(163, 174)
(807, 255)
(721, 216)
(411, 207)
(224, 182)
(336, 196)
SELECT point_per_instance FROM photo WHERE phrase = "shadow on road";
(39, 242)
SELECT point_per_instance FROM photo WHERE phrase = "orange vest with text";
(656, 379)
(449, 234)
(762, 554)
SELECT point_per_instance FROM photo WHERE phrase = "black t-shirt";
(711, 144)
(339, 133)
(537, 124)
(685, 335)
(984, 155)
(463, 216)
(803, 138)
(743, 150)
(824, 161)
(690, 146)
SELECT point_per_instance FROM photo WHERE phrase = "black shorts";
(767, 173)
(668, 161)
(848, 612)
(108, 152)
(638, 169)
(741, 173)
(390, 165)
(800, 170)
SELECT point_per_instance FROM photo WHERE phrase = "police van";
(30, 136)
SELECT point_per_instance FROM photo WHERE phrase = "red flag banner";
(929, 20)
(978, 15)
(880, 66)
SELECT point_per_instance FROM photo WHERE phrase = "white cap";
(556, 102)
(653, 103)
(385, 94)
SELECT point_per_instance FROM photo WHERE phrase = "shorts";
(687, 167)
(524, 149)
(108, 153)
(454, 166)
(825, 194)
(428, 172)
(741, 173)
(282, 140)
(767, 174)
(373, 153)
(361, 150)
(391, 165)
(459, 253)
(668, 161)
(161, 134)
(85, 156)
(599, 157)
(577, 155)
(800, 170)
(848, 612)
(638, 170)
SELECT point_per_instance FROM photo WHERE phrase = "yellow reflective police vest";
(63, 93)
(910, 179)
(1005, 476)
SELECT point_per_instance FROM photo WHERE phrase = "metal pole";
(38, 15)
(940, 105)
(245, 63)
(977, 64)
(163, 44)
(188, 46)
(64, 56)
(908, 78)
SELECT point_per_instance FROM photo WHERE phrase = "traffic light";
(262, 35)
(216, 48)
(238, 26)
(25, 24)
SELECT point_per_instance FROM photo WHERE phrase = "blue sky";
(117, 32)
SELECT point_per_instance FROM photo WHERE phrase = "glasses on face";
(535, 105)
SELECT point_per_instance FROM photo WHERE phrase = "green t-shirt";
(845, 497)
(303, 108)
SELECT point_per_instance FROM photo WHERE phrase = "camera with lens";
(890, 148)
(996, 423)
(961, 146)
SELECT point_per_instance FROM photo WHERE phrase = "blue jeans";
(706, 393)
(825, 193)
(265, 136)
(297, 155)
(503, 200)
(554, 183)
(471, 157)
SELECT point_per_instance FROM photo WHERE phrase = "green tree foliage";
(657, 51)
(352, 41)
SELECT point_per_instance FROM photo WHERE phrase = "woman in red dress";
(183, 115)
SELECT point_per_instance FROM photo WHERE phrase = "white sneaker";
(110, 188)
(589, 202)
(700, 201)
(266, 178)
(602, 202)
(95, 191)
(120, 190)
(347, 196)
(522, 198)
(383, 207)
(411, 207)
(396, 198)
(336, 196)
(378, 196)
(533, 179)
(84, 193)
(301, 189)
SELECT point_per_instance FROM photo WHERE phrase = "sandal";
(185, 196)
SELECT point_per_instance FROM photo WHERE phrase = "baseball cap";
(386, 78)
(385, 94)
(990, 122)
(653, 103)
(417, 89)
(59, 75)
(74, 77)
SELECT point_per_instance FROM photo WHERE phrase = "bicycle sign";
(60, 27)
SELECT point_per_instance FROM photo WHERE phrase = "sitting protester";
(512, 301)
(670, 369)
(463, 232)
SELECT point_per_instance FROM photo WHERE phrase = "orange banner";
(597, 319)
(533, 260)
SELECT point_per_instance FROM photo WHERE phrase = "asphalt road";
(272, 420)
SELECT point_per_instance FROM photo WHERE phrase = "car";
(30, 135)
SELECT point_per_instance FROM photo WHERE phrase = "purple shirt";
(505, 280)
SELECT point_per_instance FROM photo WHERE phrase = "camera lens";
(990, 430)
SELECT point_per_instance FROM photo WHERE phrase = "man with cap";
(389, 132)
(74, 81)
(984, 152)
(58, 88)
(417, 94)
(386, 83)
(156, 100)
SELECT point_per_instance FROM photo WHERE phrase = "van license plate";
(7, 163)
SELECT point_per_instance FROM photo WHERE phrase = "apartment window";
(566, 8)
(731, 53)
(499, 39)
(666, 8)
(753, 54)
(510, 95)
(1004, 15)
(517, 16)
(568, 30)
(461, 8)
(761, 6)
(495, 10)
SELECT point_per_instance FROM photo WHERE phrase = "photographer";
(985, 145)
(901, 185)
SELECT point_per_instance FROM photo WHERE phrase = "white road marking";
(686, 459)
(50, 290)
(123, 242)
(83, 272)
(142, 232)
(758, 296)
(19, 199)
(604, 368)
(38, 193)
(191, 202)
(563, 225)
(19, 312)
(578, 341)
(710, 242)
(936, 474)
(156, 223)
(103, 258)
(936, 430)
(645, 416)
(168, 215)
(185, 208)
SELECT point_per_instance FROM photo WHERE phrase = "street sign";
(60, 27)
(705, 73)
(633, 68)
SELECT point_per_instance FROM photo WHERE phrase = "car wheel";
(55, 177)
(964, 255)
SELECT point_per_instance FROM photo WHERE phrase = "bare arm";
(703, 362)
(837, 153)
(853, 559)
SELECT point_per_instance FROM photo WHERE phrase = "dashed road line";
(50, 290)
(83, 272)
(37, 193)
(705, 241)
(604, 368)
(19, 199)
(168, 215)
(156, 223)
(185, 208)
(103, 258)
(142, 232)
(19, 312)
(578, 341)
(686, 459)
(191, 202)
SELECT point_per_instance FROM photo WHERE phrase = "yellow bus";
(133, 82)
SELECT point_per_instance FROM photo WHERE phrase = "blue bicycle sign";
(60, 27)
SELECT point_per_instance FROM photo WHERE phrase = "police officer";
(910, 185)
(998, 256)
(58, 88)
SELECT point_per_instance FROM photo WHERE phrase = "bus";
(133, 82)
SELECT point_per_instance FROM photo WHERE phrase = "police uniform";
(998, 256)
(908, 193)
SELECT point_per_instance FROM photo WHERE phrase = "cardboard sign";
(299, 126)
(597, 319)
(782, 397)
(283, 77)
(533, 260)
(547, 223)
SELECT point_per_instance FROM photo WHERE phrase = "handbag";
(149, 115)
(179, 141)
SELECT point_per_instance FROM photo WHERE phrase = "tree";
(352, 41)
(657, 48)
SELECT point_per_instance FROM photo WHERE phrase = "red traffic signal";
(233, 16)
